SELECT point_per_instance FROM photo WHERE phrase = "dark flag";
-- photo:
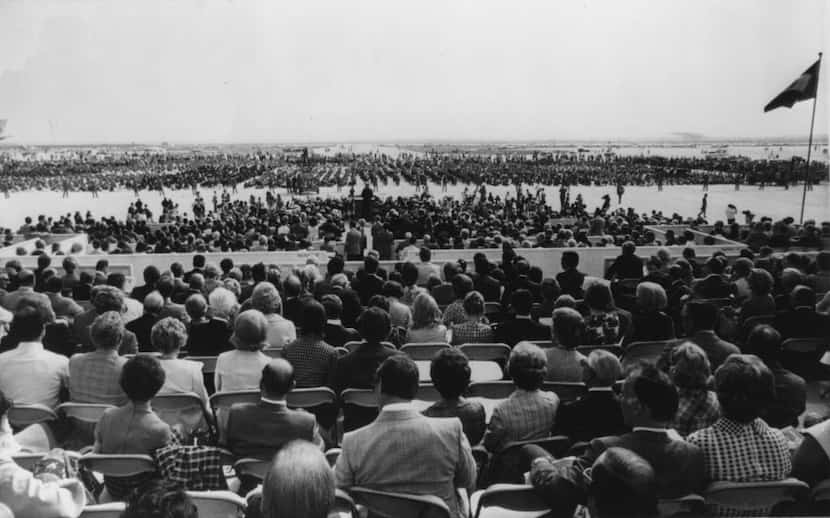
(801, 89)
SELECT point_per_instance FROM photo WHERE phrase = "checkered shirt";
(472, 333)
(454, 314)
(94, 378)
(737, 452)
(697, 409)
(313, 361)
(523, 416)
(198, 468)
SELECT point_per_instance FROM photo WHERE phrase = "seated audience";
(208, 336)
(240, 368)
(454, 314)
(311, 357)
(141, 326)
(104, 298)
(94, 377)
(760, 301)
(25, 290)
(802, 320)
(623, 484)
(426, 321)
(450, 373)
(699, 319)
(529, 412)
(811, 461)
(335, 333)
(649, 322)
(473, 329)
(280, 330)
(790, 398)
(564, 362)
(260, 429)
(698, 406)
(597, 413)
(133, 427)
(151, 276)
(357, 369)
(627, 265)
(168, 336)
(715, 285)
(521, 327)
(64, 307)
(403, 451)
(399, 313)
(605, 323)
(740, 446)
(167, 287)
(30, 375)
(649, 402)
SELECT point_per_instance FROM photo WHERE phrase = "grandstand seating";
(643, 352)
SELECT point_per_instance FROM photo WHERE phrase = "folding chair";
(27, 461)
(493, 311)
(427, 395)
(643, 351)
(585, 350)
(113, 465)
(21, 416)
(351, 346)
(567, 391)
(341, 351)
(492, 389)
(218, 504)
(221, 402)
(820, 498)
(508, 500)
(423, 351)
(208, 363)
(89, 413)
(399, 505)
(254, 468)
(320, 401)
(507, 465)
(332, 454)
(109, 510)
(344, 505)
(485, 352)
(804, 345)
(544, 344)
(755, 496)
(187, 410)
(360, 407)
(689, 505)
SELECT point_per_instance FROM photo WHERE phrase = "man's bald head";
(153, 303)
(277, 379)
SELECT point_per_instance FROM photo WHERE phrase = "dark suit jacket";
(570, 282)
(260, 429)
(515, 330)
(139, 292)
(367, 285)
(489, 288)
(625, 267)
(595, 414)
(208, 338)
(141, 327)
(713, 287)
(80, 334)
(337, 335)
(790, 398)
(802, 323)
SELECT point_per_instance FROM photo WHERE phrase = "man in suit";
(25, 290)
(802, 321)
(166, 287)
(153, 304)
(260, 429)
(699, 319)
(151, 277)
(198, 267)
(104, 298)
(649, 402)
(336, 334)
(403, 451)
(62, 306)
(367, 282)
(715, 285)
(521, 326)
(627, 265)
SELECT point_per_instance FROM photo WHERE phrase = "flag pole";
(810, 144)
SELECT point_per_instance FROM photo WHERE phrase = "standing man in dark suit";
(627, 265)
(521, 326)
(260, 429)
(198, 267)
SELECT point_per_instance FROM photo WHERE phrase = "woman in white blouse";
(241, 369)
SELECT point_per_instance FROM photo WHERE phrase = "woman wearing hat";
(241, 368)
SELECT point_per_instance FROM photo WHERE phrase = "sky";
(112, 71)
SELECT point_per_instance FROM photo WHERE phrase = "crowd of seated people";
(720, 382)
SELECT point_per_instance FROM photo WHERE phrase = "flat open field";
(775, 202)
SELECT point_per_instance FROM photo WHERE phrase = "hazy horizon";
(90, 72)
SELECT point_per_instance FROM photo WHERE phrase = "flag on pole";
(801, 89)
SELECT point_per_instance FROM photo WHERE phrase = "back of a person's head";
(107, 298)
(598, 295)
(462, 284)
(628, 248)
(409, 274)
(312, 318)
(198, 261)
(292, 286)
(745, 386)
(425, 254)
(521, 301)
(450, 372)
(374, 325)
(70, 264)
(570, 259)
(689, 367)
(116, 280)
(160, 499)
(27, 324)
(425, 311)
(602, 368)
(54, 284)
(474, 304)
(623, 484)
(151, 275)
(392, 289)
(107, 330)
(527, 366)
(153, 303)
(654, 392)
(266, 298)
(277, 378)
(370, 264)
(26, 278)
(333, 306)
(702, 315)
(715, 265)
(764, 341)
(760, 282)
(550, 289)
(651, 297)
(298, 484)
(197, 281)
(568, 327)
(141, 378)
(802, 296)
(196, 306)
(398, 377)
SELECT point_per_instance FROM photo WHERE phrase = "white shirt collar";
(30, 346)
(278, 402)
(334, 321)
(403, 405)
